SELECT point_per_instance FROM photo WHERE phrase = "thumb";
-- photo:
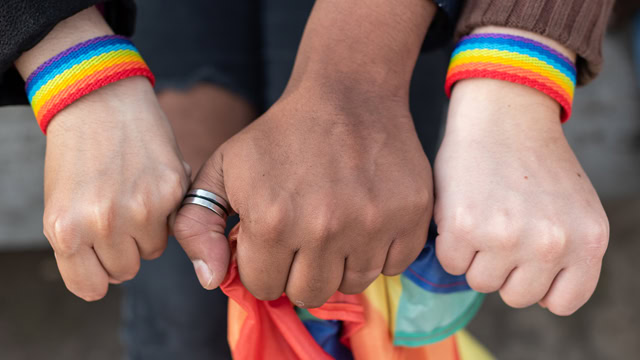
(200, 231)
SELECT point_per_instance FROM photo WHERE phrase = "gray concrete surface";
(39, 319)
(21, 169)
(604, 130)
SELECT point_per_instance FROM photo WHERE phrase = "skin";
(515, 210)
(194, 116)
(331, 184)
(113, 172)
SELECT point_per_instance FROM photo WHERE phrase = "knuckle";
(394, 269)
(483, 284)
(561, 308)
(451, 265)
(459, 223)
(597, 237)
(421, 203)
(62, 231)
(424, 197)
(354, 289)
(172, 188)
(321, 225)
(139, 209)
(364, 275)
(100, 218)
(371, 216)
(551, 244)
(359, 280)
(452, 261)
(515, 300)
(130, 272)
(156, 251)
(90, 295)
(505, 241)
(265, 294)
(273, 220)
(311, 295)
(172, 179)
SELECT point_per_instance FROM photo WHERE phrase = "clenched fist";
(329, 197)
(514, 208)
(113, 176)
(331, 183)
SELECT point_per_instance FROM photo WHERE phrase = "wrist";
(479, 104)
(502, 70)
(367, 46)
(87, 57)
(116, 106)
(82, 26)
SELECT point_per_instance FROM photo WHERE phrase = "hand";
(331, 184)
(329, 195)
(113, 176)
(514, 209)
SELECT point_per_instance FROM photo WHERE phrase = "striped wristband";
(515, 59)
(79, 70)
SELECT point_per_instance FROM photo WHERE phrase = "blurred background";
(39, 319)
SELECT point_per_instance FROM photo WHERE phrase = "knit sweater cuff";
(577, 24)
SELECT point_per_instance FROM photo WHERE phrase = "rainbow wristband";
(80, 70)
(515, 59)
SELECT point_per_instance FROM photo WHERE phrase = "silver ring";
(209, 196)
(205, 203)
(211, 201)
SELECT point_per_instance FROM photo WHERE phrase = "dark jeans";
(248, 47)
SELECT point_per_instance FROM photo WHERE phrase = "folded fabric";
(417, 315)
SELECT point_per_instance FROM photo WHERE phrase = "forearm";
(371, 45)
(84, 25)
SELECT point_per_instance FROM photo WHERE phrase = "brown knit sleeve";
(578, 24)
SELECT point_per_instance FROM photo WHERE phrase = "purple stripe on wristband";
(522, 39)
(70, 50)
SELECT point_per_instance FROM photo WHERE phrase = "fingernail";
(204, 273)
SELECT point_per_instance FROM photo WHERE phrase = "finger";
(315, 275)
(187, 169)
(83, 274)
(455, 254)
(200, 231)
(152, 238)
(488, 272)
(572, 288)
(405, 249)
(264, 261)
(527, 285)
(119, 256)
(361, 269)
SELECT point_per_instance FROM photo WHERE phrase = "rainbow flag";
(418, 315)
